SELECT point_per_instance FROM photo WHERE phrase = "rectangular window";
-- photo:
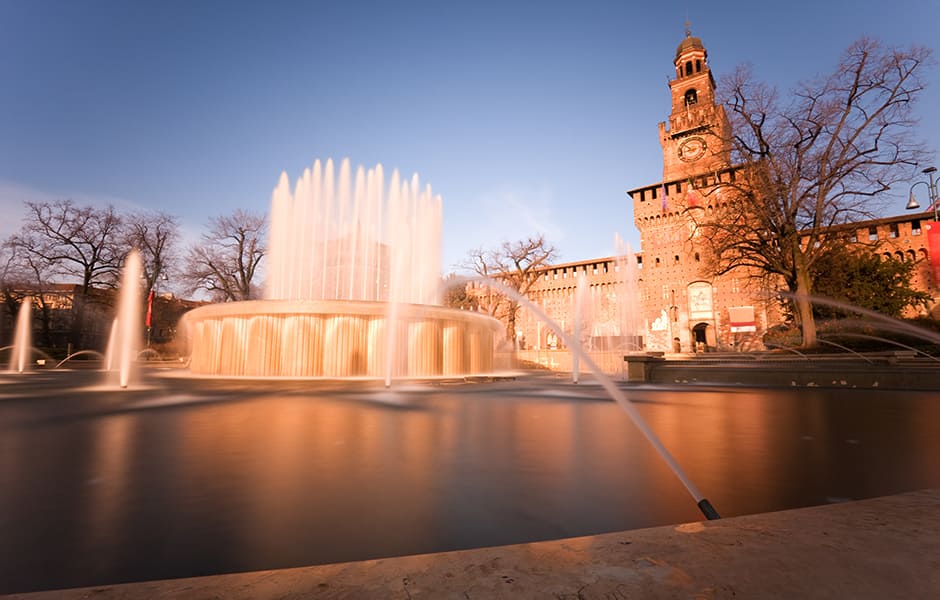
(915, 227)
(893, 231)
(872, 233)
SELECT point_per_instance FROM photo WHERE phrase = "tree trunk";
(511, 322)
(45, 321)
(804, 307)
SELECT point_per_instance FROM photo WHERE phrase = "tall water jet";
(628, 296)
(352, 289)
(125, 332)
(578, 326)
(22, 338)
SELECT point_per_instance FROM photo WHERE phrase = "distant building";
(57, 307)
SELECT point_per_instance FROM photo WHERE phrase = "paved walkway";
(881, 548)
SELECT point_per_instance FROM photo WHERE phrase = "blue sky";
(523, 116)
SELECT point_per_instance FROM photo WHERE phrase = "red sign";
(933, 247)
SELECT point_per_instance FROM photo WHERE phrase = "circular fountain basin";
(339, 338)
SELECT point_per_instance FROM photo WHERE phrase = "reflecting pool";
(185, 477)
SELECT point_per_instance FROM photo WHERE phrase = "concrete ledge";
(924, 375)
(881, 548)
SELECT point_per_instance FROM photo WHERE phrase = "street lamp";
(912, 203)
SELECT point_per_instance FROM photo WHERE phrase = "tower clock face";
(692, 148)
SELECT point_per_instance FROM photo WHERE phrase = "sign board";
(742, 319)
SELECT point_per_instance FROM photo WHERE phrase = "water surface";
(193, 477)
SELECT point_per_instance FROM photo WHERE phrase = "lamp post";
(912, 203)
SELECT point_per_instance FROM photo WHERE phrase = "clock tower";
(698, 136)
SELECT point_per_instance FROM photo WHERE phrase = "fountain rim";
(366, 308)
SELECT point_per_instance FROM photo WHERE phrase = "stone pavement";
(880, 548)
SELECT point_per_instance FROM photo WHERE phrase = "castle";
(676, 305)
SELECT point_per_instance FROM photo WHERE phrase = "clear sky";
(523, 116)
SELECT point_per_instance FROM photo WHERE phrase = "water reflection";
(101, 488)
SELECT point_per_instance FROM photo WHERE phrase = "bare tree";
(63, 239)
(225, 262)
(35, 277)
(514, 264)
(79, 242)
(11, 286)
(817, 160)
(154, 235)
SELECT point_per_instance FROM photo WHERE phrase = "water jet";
(125, 332)
(22, 340)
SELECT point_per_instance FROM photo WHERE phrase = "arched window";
(691, 97)
(698, 66)
(688, 68)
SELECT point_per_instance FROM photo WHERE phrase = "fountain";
(22, 337)
(125, 332)
(352, 289)
(578, 327)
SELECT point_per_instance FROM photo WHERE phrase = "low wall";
(878, 371)
(610, 362)
(890, 370)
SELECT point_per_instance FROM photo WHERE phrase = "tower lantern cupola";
(690, 56)
(697, 136)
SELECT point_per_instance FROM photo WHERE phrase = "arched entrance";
(703, 337)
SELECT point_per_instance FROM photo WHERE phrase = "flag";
(665, 198)
(149, 308)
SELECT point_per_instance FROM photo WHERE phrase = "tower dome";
(689, 43)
